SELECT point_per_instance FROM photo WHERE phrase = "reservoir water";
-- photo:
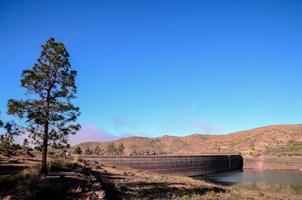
(269, 180)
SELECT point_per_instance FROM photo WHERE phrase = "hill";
(277, 140)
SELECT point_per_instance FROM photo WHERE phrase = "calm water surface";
(273, 180)
(251, 176)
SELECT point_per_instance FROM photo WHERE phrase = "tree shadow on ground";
(74, 184)
(34, 187)
(147, 190)
(10, 169)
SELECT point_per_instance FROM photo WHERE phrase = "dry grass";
(66, 180)
(127, 183)
(24, 183)
(78, 181)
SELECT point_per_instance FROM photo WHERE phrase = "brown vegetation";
(78, 180)
(127, 183)
(271, 140)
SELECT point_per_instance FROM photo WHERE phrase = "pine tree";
(111, 150)
(7, 139)
(48, 111)
(25, 144)
(120, 149)
(6, 144)
(97, 150)
(87, 151)
(78, 150)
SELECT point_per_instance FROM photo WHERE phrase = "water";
(268, 180)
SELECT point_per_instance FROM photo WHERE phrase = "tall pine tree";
(48, 111)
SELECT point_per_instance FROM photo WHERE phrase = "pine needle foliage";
(50, 87)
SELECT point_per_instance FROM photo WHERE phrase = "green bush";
(292, 146)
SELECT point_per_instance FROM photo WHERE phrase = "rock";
(95, 186)
(100, 194)
(79, 190)
(10, 197)
(96, 195)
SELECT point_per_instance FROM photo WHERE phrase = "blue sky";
(165, 67)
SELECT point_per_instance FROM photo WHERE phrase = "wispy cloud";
(90, 133)
(205, 127)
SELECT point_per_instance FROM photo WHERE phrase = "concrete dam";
(178, 165)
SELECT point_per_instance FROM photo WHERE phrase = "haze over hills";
(270, 140)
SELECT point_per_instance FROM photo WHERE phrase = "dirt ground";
(20, 179)
(127, 183)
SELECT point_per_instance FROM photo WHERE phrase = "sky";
(158, 67)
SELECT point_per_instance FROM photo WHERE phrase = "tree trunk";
(45, 136)
(44, 150)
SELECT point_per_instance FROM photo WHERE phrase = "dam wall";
(177, 165)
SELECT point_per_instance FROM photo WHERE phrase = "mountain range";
(277, 140)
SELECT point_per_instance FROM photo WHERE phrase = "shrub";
(87, 151)
(61, 165)
(78, 150)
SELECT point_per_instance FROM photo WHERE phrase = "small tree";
(87, 151)
(6, 144)
(111, 150)
(78, 150)
(25, 144)
(120, 149)
(6, 139)
(48, 110)
(97, 150)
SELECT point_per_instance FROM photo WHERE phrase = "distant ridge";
(268, 140)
